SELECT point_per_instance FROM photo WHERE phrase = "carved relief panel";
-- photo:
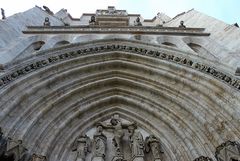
(116, 139)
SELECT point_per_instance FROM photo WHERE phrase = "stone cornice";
(116, 30)
(32, 65)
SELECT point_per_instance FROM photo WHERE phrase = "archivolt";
(48, 108)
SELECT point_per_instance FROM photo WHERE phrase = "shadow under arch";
(10, 157)
(60, 43)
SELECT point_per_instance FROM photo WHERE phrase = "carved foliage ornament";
(203, 158)
(229, 80)
(228, 151)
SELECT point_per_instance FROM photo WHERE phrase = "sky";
(225, 10)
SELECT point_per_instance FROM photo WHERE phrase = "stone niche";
(111, 154)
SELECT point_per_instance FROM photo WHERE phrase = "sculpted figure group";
(138, 146)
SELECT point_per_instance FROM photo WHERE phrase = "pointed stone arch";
(181, 98)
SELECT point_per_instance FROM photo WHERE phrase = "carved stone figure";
(137, 22)
(182, 25)
(3, 14)
(46, 22)
(36, 157)
(17, 149)
(82, 146)
(92, 21)
(99, 142)
(153, 145)
(47, 10)
(203, 158)
(136, 142)
(229, 151)
(117, 126)
(118, 133)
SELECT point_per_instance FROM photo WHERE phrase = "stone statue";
(3, 143)
(36, 157)
(46, 22)
(117, 125)
(16, 148)
(182, 25)
(136, 142)
(82, 146)
(92, 21)
(137, 22)
(3, 14)
(99, 142)
(153, 144)
(47, 10)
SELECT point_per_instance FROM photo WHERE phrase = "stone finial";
(3, 14)
(111, 9)
(47, 10)
(137, 22)
(237, 73)
(46, 22)
(92, 21)
(182, 25)
(236, 25)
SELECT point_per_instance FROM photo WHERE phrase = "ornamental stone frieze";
(41, 63)
(203, 158)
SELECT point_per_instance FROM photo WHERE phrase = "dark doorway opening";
(7, 158)
(234, 160)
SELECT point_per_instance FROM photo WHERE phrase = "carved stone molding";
(225, 78)
(36, 157)
(95, 29)
(228, 151)
(203, 158)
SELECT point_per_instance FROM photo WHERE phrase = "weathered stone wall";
(191, 110)
(186, 95)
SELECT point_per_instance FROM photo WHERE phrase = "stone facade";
(114, 86)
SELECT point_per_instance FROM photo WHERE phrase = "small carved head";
(181, 22)
(114, 121)
(46, 19)
(131, 129)
(92, 18)
(99, 128)
(138, 19)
